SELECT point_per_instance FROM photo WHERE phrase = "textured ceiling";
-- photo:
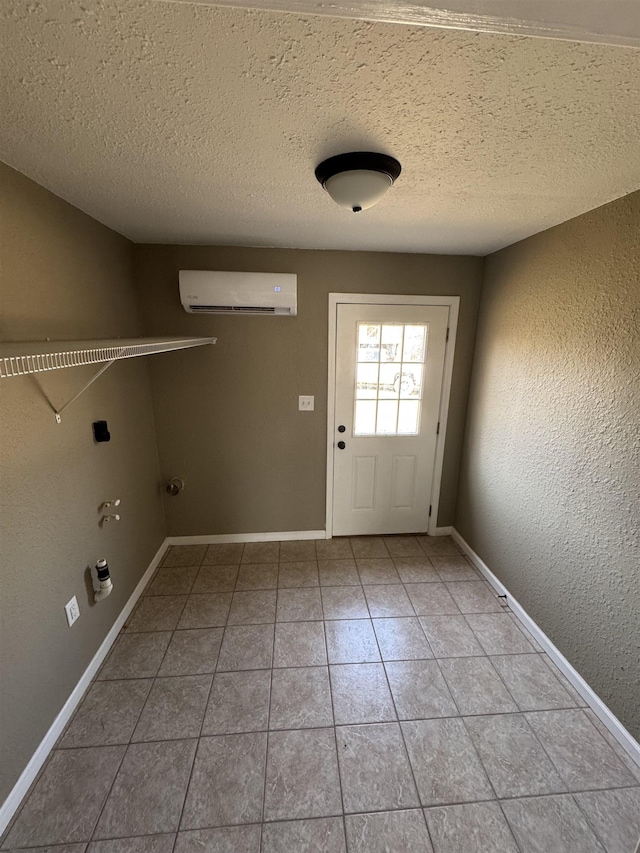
(182, 123)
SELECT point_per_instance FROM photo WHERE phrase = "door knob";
(341, 428)
(341, 445)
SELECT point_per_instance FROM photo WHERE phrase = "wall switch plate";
(305, 404)
(72, 610)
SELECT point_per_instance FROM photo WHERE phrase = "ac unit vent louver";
(265, 294)
(231, 309)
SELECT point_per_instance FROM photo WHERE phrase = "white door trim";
(453, 303)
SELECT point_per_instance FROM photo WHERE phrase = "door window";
(389, 378)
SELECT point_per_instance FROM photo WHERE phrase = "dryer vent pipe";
(104, 581)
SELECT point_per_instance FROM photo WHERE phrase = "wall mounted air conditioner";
(207, 292)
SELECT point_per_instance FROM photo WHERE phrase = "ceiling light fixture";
(358, 180)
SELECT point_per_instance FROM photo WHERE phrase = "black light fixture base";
(355, 161)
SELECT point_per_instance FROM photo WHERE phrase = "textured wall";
(550, 477)
(64, 276)
(226, 416)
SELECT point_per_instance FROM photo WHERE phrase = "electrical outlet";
(305, 404)
(72, 610)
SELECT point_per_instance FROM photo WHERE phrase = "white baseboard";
(441, 531)
(608, 718)
(11, 804)
(224, 538)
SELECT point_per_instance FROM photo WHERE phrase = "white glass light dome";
(358, 180)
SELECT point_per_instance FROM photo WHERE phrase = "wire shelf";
(25, 358)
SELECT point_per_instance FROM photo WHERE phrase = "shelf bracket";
(83, 389)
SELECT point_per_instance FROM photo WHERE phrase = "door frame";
(453, 303)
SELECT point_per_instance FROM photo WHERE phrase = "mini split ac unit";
(206, 292)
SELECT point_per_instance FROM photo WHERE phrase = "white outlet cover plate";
(72, 610)
(305, 404)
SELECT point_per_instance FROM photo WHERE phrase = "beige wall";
(63, 275)
(227, 416)
(550, 478)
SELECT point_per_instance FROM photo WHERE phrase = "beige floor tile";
(455, 568)
(403, 546)
(300, 644)
(301, 573)
(416, 570)
(446, 766)
(342, 572)
(174, 709)
(388, 600)
(474, 597)
(344, 602)
(320, 835)
(302, 775)
(239, 702)
(261, 552)
(257, 576)
(141, 844)
(300, 698)
(515, 762)
(206, 610)
(476, 686)
(401, 639)
(365, 547)
(531, 683)
(193, 652)
(583, 758)
(351, 641)
(545, 824)
(419, 690)
(227, 783)
(157, 613)
(148, 792)
(224, 554)
(431, 599)
(135, 656)
(451, 637)
(361, 694)
(246, 647)
(184, 555)
(174, 580)
(615, 817)
(333, 549)
(470, 828)
(374, 768)
(297, 550)
(404, 831)
(253, 607)
(377, 570)
(58, 810)
(215, 579)
(438, 545)
(498, 635)
(108, 713)
(299, 605)
(228, 839)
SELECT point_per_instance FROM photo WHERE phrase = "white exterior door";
(388, 384)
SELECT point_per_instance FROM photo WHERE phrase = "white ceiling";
(184, 123)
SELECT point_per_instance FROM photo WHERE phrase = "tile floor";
(362, 695)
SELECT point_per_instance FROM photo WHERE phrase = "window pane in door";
(387, 417)
(389, 382)
(367, 382)
(414, 343)
(365, 417)
(391, 347)
(410, 382)
(409, 417)
(368, 342)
